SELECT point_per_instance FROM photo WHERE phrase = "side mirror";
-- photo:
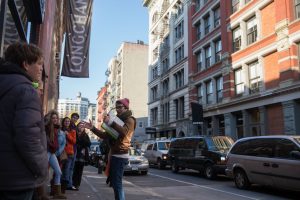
(295, 154)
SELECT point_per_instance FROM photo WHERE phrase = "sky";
(113, 22)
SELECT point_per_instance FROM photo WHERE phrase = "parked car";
(157, 153)
(265, 160)
(137, 163)
(206, 154)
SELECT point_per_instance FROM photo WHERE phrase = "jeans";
(66, 175)
(72, 169)
(116, 174)
(53, 162)
(16, 195)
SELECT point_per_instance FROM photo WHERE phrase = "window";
(179, 78)
(254, 77)
(179, 106)
(235, 5)
(179, 11)
(140, 124)
(197, 2)
(206, 24)
(284, 148)
(149, 147)
(165, 87)
(154, 93)
(218, 49)
(209, 92)
(207, 57)
(154, 114)
(199, 60)
(219, 89)
(198, 30)
(155, 54)
(239, 81)
(200, 94)
(217, 19)
(236, 39)
(179, 30)
(297, 8)
(154, 72)
(165, 110)
(165, 64)
(251, 30)
(179, 53)
(155, 17)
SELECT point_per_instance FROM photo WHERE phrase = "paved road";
(165, 185)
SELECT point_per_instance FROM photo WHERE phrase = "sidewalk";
(93, 187)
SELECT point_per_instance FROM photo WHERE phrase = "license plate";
(134, 168)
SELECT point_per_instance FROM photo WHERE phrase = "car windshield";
(219, 143)
(297, 139)
(163, 145)
(133, 152)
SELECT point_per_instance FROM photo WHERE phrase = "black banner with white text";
(77, 42)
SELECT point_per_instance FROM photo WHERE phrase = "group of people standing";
(67, 149)
(31, 142)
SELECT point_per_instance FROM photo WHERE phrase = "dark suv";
(206, 154)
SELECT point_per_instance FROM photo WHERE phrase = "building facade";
(168, 68)
(126, 78)
(101, 106)
(240, 63)
(79, 105)
(252, 87)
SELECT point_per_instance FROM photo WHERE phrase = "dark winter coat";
(83, 144)
(23, 150)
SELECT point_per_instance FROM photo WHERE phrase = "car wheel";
(174, 167)
(144, 172)
(159, 164)
(241, 180)
(209, 171)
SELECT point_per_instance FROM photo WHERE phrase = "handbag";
(63, 156)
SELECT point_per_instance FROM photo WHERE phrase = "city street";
(163, 184)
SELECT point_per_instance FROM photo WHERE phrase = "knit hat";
(124, 101)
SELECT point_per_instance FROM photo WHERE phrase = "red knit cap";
(124, 101)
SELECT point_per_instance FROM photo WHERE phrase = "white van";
(157, 153)
(265, 160)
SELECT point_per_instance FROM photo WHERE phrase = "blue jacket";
(23, 147)
(61, 142)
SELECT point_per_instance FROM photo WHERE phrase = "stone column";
(230, 125)
(263, 120)
(215, 125)
(246, 127)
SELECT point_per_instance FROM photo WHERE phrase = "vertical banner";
(77, 42)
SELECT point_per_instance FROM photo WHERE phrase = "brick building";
(249, 83)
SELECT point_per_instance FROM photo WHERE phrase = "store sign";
(76, 56)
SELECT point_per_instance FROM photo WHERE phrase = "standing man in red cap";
(120, 146)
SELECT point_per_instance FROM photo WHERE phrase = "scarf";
(125, 115)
